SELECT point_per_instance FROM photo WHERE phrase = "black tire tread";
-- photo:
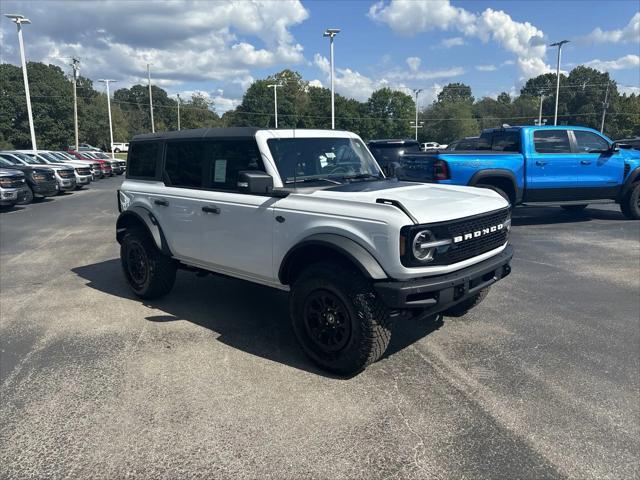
(629, 203)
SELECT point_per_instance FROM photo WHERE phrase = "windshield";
(309, 159)
(28, 158)
(50, 157)
(100, 155)
(5, 162)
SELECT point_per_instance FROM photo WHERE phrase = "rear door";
(552, 172)
(600, 170)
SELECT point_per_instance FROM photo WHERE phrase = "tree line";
(386, 113)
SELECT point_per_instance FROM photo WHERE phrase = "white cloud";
(629, 90)
(401, 75)
(622, 63)
(192, 41)
(452, 42)
(409, 17)
(414, 63)
(316, 83)
(630, 33)
(486, 68)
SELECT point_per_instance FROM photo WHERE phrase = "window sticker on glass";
(220, 171)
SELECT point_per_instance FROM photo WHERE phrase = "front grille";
(83, 171)
(12, 182)
(458, 252)
(66, 174)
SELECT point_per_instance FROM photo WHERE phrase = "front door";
(600, 170)
(552, 173)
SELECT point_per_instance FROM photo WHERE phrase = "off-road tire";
(117, 150)
(160, 270)
(462, 308)
(498, 190)
(28, 197)
(574, 208)
(630, 203)
(365, 315)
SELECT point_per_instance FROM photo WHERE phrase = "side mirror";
(254, 181)
(614, 147)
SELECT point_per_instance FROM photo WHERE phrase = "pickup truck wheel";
(630, 204)
(149, 272)
(498, 190)
(574, 208)
(460, 309)
(338, 319)
(117, 150)
(28, 197)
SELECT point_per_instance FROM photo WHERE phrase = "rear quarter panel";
(464, 165)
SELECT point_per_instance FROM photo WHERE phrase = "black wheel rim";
(327, 321)
(137, 264)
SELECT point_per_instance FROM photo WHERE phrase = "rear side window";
(588, 142)
(185, 164)
(551, 141)
(500, 141)
(142, 161)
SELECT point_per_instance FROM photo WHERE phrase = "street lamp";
(153, 128)
(178, 95)
(417, 125)
(332, 32)
(106, 82)
(275, 100)
(416, 92)
(559, 45)
(19, 20)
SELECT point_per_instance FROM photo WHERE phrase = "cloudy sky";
(219, 47)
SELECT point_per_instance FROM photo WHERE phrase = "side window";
(142, 160)
(184, 164)
(485, 140)
(551, 141)
(589, 142)
(228, 157)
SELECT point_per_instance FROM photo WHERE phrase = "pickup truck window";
(143, 160)
(588, 142)
(551, 141)
(500, 141)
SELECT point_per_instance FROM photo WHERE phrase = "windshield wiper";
(313, 179)
(362, 176)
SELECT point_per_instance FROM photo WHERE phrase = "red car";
(105, 167)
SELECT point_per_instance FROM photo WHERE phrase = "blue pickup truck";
(538, 165)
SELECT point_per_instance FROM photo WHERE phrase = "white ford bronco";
(309, 212)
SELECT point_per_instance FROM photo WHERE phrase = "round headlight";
(421, 250)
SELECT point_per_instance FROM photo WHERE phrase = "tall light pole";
(416, 126)
(605, 105)
(416, 92)
(106, 82)
(559, 45)
(153, 128)
(275, 100)
(178, 95)
(540, 111)
(76, 73)
(19, 20)
(332, 32)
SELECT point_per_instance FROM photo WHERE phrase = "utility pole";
(559, 45)
(332, 32)
(416, 92)
(540, 111)
(178, 95)
(106, 82)
(605, 105)
(19, 20)
(153, 128)
(416, 126)
(76, 73)
(275, 100)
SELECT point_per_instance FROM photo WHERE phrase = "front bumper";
(438, 293)
(11, 196)
(67, 183)
(45, 189)
(83, 179)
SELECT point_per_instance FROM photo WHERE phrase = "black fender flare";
(497, 172)
(634, 176)
(355, 252)
(147, 219)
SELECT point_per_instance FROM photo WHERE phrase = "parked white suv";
(310, 212)
(119, 147)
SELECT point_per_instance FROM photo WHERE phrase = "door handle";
(541, 163)
(208, 209)
(585, 162)
(162, 203)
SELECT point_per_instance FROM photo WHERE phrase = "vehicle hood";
(10, 172)
(427, 203)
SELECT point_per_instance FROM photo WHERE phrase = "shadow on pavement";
(524, 216)
(246, 316)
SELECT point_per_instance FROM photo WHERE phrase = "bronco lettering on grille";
(478, 233)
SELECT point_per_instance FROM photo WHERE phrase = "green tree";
(390, 112)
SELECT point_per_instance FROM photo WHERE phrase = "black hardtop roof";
(198, 133)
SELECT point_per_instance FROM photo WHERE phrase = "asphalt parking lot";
(541, 381)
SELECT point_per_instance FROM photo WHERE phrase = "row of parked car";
(27, 175)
